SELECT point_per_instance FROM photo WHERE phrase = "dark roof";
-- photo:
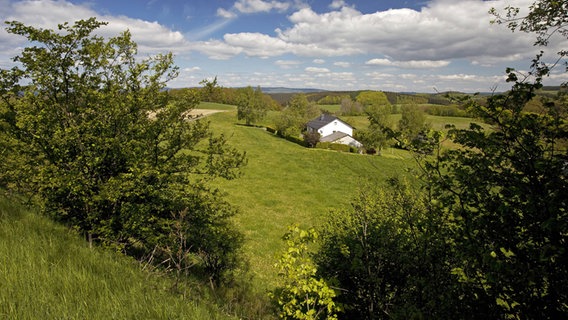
(322, 120)
(334, 136)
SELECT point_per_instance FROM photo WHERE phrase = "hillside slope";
(48, 272)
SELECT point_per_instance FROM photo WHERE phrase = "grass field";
(285, 183)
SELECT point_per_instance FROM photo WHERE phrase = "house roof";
(322, 121)
(334, 136)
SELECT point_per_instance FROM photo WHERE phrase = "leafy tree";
(250, 105)
(389, 256)
(293, 119)
(93, 135)
(211, 91)
(411, 125)
(311, 138)
(506, 187)
(350, 107)
(373, 98)
(377, 135)
(302, 295)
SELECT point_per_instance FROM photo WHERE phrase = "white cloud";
(318, 61)
(192, 69)
(226, 13)
(412, 64)
(316, 70)
(253, 6)
(336, 4)
(151, 37)
(216, 49)
(256, 44)
(343, 64)
(287, 64)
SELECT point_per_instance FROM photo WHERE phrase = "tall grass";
(48, 272)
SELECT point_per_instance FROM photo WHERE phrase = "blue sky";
(414, 45)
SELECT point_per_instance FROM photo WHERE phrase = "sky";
(388, 45)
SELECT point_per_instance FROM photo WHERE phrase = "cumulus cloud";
(440, 31)
(253, 6)
(318, 61)
(343, 64)
(336, 4)
(287, 64)
(224, 13)
(150, 36)
(316, 70)
(412, 64)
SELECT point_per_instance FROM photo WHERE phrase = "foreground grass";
(48, 272)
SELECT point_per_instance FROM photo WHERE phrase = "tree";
(350, 107)
(302, 295)
(250, 105)
(373, 98)
(411, 125)
(211, 91)
(507, 189)
(377, 135)
(311, 138)
(93, 135)
(294, 117)
(389, 256)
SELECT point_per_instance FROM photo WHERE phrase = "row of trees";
(483, 232)
(88, 131)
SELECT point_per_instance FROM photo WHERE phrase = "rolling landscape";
(343, 185)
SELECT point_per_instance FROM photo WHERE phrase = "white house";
(332, 129)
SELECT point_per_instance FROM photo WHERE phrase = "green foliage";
(389, 255)
(411, 99)
(211, 91)
(411, 124)
(250, 105)
(505, 187)
(350, 107)
(336, 147)
(311, 139)
(302, 295)
(107, 151)
(295, 116)
(372, 98)
(333, 99)
(376, 137)
(446, 111)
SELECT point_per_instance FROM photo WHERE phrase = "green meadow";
(284, 183)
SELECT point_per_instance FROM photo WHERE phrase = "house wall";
(334, 126)
(350, 142)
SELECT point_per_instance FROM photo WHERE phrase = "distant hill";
(271, 90)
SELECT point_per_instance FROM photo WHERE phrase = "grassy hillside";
(285, 183)
(48, 272)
